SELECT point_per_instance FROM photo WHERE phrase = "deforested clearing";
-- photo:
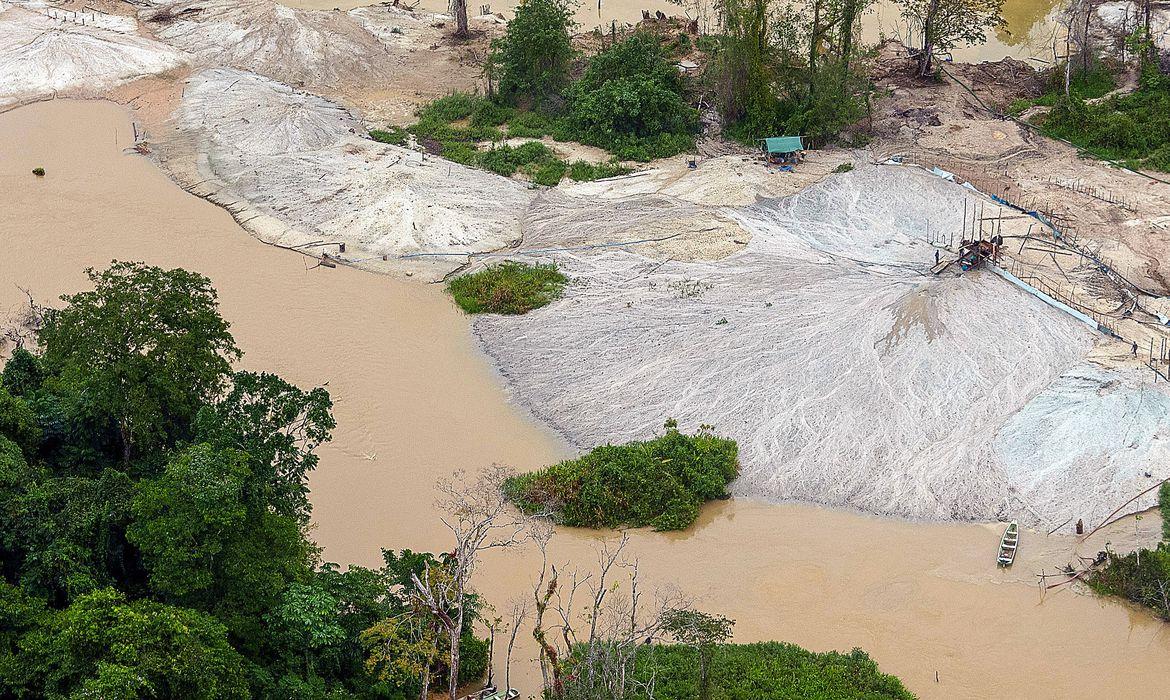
(42, 53)
(848, 375)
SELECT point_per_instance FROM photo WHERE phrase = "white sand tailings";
(44, 51)
(848, 376)
(300, 165)
(1087, 442)
(299, 47)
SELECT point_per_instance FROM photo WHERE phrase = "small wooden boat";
(1008, 544)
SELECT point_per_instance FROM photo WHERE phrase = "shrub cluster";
(507, 288)
(766, 671)
(1133, 128)
(630, 102)
(660, 483)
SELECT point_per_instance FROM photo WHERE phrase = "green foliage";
(183, 569)
(530, 125)
(660, 483)
(1164, 510)
(766, 671)
(22, 373)
(1133, 128)
(104, 646)
(507, 288)
(279, 427)
(306, 618)
(1142, 577)
(1083, 85)
(535, 54)
(187, 517)
(18, 422)
(583, 171)
(145, 348)
(392, 134)
(946, 24)
(630, 102)
(550, 173)
(506, 160)
(39, 172)
(788, 71)
(701, 631)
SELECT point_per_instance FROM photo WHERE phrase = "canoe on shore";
(1008, 544)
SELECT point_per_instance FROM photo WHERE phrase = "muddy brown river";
(415, 399)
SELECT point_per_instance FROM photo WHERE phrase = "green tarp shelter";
(779, 145)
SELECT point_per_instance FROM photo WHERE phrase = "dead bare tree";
(479, 517)
(517, 614)
(21, 327)
(615, 618)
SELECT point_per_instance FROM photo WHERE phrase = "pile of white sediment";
(848, 374)
(44, 51)
(299, 47)
(304, 162)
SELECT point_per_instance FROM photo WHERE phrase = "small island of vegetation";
(660, 483)
(509, 287)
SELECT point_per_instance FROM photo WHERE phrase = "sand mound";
(312, 48)
(848, 375)
(1087, 442)
(41, 54)
(296, 168)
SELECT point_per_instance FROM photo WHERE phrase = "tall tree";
(147, 347)
(535, 54)
(944, 24)
(479, 518)
(279, 427)
(701, 631)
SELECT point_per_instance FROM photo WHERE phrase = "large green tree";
(104, 646)
(145, 348)
(629, 96)
(941, 25)
(279, 427)
(535, 54)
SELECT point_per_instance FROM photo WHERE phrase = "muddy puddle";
(416, 400)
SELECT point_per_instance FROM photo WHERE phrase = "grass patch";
(393, 135)
(583, 171)
(765, 671)
(507, 288)
(660, 483)
(1083, 85)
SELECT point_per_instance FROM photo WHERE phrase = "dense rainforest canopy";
(153, 514)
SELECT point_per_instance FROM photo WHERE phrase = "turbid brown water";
(415, 400)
